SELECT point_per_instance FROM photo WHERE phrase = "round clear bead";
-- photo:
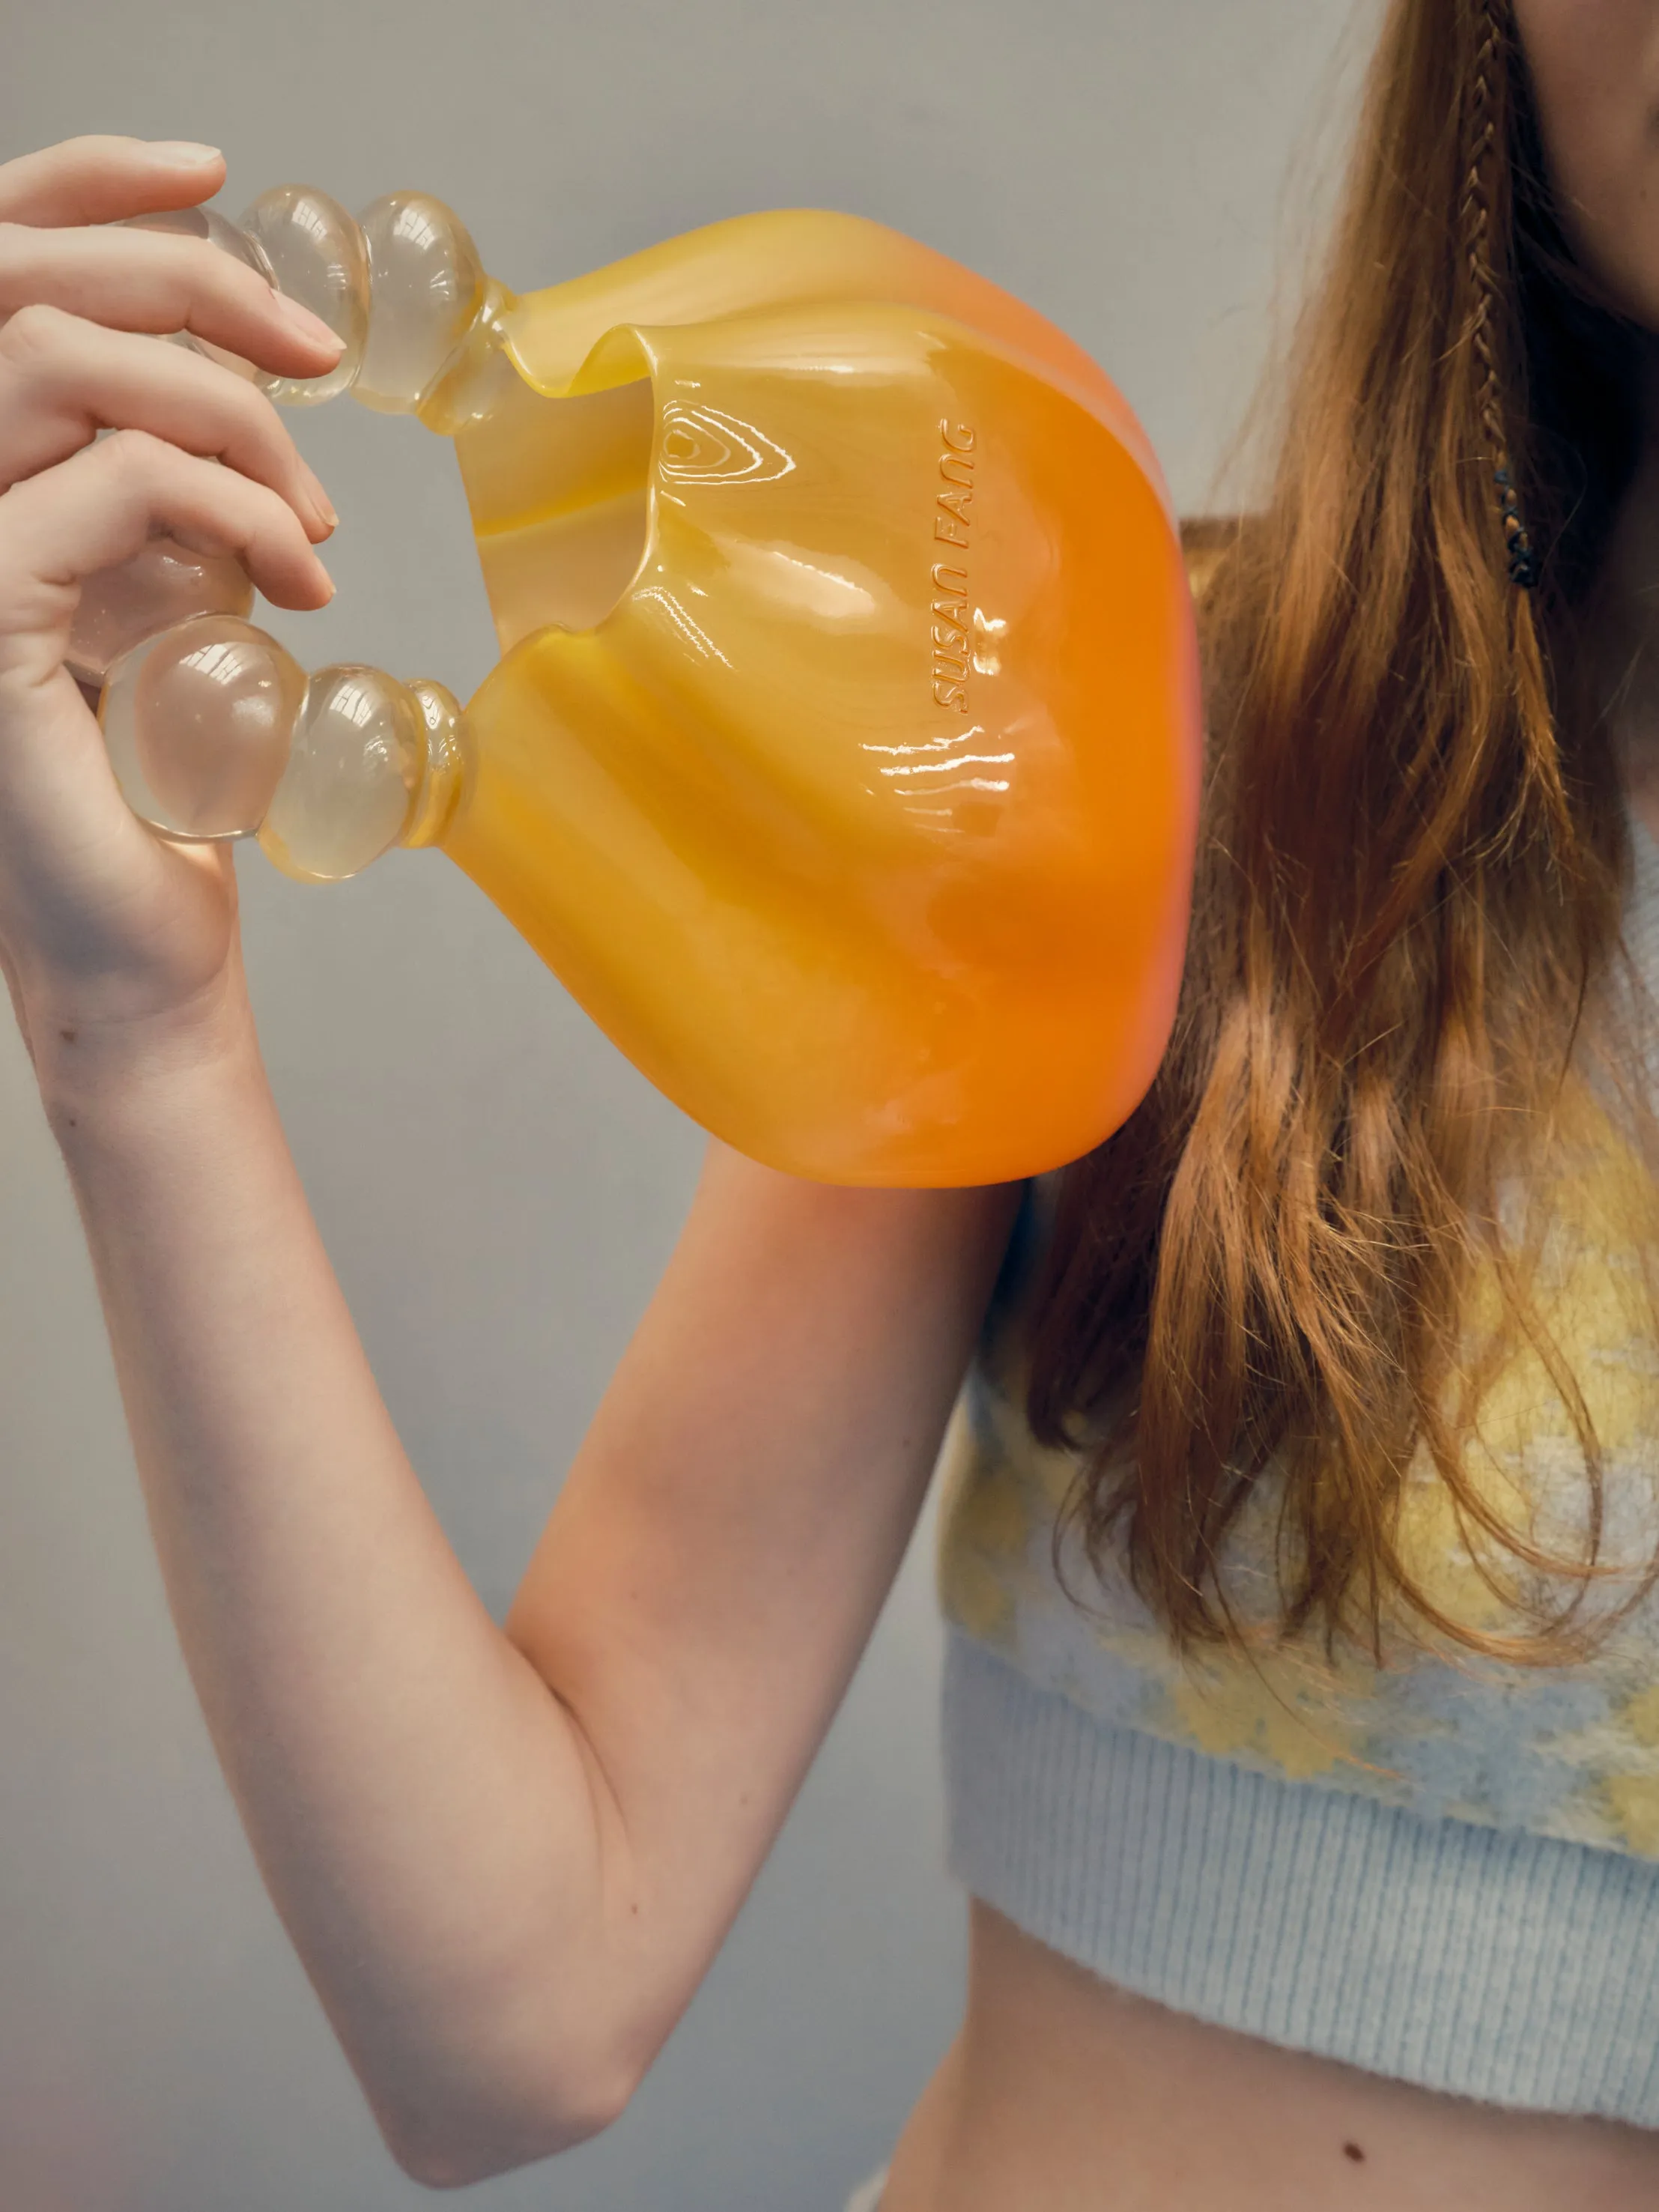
(318, 256)
(426, 289)
(207, 223)
(358, 757)
(198, 723)
(164, 583)
(443, 777)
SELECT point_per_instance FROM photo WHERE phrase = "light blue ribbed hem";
(1484, 1962)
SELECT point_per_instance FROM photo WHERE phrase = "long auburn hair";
(1410, 884)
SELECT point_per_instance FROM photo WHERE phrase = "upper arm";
(734, 1518)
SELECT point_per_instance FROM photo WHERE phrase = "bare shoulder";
(816, 1232)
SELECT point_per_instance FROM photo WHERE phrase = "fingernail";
(306, 325)
(182, 152)
(320, 500)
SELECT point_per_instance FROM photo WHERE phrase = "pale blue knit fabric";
(1497, 1937)
(1486, 1962)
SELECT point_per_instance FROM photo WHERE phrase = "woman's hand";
(102, 923)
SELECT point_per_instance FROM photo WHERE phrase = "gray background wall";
(498, 1187)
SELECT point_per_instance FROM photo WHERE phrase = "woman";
(1300, 1549)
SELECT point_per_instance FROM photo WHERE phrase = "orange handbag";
(843, 756)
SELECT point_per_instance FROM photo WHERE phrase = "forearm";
(418, 1799)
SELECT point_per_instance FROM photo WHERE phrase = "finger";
(100, 507)
(63, 380)
(155, 281)
(99, 179)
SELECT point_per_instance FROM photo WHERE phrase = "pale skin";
(507, 1858)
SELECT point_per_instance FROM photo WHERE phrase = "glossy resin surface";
(843, 756)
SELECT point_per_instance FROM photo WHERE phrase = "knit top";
(1444, 1867)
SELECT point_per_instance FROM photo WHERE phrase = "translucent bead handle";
(401, 283)
(214, 731)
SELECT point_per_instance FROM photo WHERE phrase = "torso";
(1063, 2095)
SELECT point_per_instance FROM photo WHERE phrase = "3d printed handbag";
(843, 756)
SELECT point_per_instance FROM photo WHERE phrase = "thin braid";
(1491, 55)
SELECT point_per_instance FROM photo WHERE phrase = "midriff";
(1062, 2093)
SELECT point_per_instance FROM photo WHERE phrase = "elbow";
(461, 2146)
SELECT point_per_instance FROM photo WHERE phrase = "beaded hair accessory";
(1492, 57)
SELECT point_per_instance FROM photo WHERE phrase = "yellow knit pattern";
(1570, 1751)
